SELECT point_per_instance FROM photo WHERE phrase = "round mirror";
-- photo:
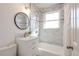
(21, 20)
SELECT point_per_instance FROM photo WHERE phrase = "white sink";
(26, 38)
(26, 45)
(22, 38)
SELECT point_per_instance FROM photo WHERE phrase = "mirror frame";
(16, 22)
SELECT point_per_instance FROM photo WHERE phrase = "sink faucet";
(27, 34)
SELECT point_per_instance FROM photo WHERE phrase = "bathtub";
(45, 49)
(9, 50)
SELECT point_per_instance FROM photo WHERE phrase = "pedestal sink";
(27, 46)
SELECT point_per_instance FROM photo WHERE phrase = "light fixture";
(28, 12)
(28, 9)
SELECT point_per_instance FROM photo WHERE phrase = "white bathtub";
(45, 49)
(9, 50)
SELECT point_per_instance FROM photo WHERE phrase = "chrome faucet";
(27, 34)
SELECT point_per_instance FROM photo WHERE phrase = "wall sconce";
(28, 9)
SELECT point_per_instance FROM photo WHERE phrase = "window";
(51, 20)
(52, 16)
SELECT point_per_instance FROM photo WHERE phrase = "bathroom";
(39, 29)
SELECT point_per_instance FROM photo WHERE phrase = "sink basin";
(26, 38)
(26, 45)
(23, 38)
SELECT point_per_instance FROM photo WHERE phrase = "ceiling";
(44, 5)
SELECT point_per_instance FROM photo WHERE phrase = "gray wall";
(52, 36)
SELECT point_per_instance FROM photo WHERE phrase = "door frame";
(67, 30)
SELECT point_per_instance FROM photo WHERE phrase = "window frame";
(44, 19)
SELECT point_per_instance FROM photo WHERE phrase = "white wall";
(52, 36)
(8, 30)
